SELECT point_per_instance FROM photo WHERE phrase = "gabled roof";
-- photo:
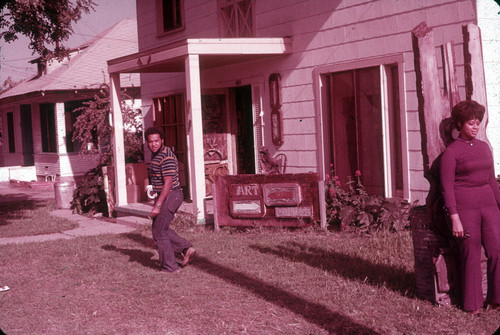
(87, 66)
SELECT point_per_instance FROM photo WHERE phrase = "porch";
(191, 56)
(137, 214)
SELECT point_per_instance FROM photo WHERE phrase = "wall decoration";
(275, 102)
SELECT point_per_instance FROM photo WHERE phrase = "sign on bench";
(282, 200)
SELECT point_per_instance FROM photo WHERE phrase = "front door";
(245, 147)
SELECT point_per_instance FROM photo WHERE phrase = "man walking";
(164, 177)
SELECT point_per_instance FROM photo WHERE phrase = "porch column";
(118, 143)
(195, 134)
(60, 128)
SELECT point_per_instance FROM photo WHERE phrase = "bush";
(89, 196)
(350, 207)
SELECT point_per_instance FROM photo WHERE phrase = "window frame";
(160, 18)
(70, 118)
(48, 133)
(11, 132)
(223, 26)
(321, 75)
(177, 103)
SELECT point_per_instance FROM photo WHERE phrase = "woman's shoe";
(476, 312)
(493, 306)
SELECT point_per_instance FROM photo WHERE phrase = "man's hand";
(165, 190)
(154, 212)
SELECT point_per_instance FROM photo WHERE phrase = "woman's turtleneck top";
(468, 176)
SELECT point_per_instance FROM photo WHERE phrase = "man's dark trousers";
(167, 240)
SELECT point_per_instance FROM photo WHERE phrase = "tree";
(47, 23)
(93, 126)
(93, 129)
(8, 84)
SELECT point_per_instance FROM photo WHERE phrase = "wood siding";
(328, 32)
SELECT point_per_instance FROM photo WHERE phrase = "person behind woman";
(472, 199)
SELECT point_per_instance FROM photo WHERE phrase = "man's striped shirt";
(164, 163)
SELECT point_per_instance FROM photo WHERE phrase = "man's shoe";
(188, 256)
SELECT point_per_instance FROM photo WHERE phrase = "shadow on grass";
(12, 207)
(141, 239)
(349, 267)
(142, 257)
(313, 312)
(334, 323)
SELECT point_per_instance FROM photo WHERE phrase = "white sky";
(15, 57)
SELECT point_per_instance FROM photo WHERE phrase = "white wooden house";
(37, 115)
(325, 83)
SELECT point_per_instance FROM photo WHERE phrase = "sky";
(15, 57)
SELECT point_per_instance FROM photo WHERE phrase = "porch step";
(133, 221)
(136, 209)
(143, 209)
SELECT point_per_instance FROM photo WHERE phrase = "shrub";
(89, 196)
(350, 207)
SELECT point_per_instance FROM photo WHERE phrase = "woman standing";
(472, 198)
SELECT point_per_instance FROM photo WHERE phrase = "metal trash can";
(64, 193)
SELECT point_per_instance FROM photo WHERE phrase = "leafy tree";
(47, 23)
(8, 84)
(93, 126)
(93, 129)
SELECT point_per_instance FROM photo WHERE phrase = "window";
(10, 131)
(169, 115)
(366, 127)
(170, 17)
(48, 127)
(70, 116)
(236, 18)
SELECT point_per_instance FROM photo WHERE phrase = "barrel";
(64, 193)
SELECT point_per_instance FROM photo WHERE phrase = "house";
(328, 84)
(37, 115)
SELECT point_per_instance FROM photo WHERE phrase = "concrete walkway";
(86, 226)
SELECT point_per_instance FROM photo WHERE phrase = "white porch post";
(60, 128)
(118, 144)
(195, 134)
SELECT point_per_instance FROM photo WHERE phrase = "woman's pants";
(483, 226)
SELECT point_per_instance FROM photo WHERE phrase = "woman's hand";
(457, 227)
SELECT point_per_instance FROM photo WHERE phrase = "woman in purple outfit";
(472, 198)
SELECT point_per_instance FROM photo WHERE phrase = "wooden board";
(281, 200)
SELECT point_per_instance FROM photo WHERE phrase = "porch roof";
(214, 52)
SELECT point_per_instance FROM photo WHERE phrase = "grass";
(22, 217)
(243, 281)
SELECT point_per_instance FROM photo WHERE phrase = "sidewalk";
(87, 226)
